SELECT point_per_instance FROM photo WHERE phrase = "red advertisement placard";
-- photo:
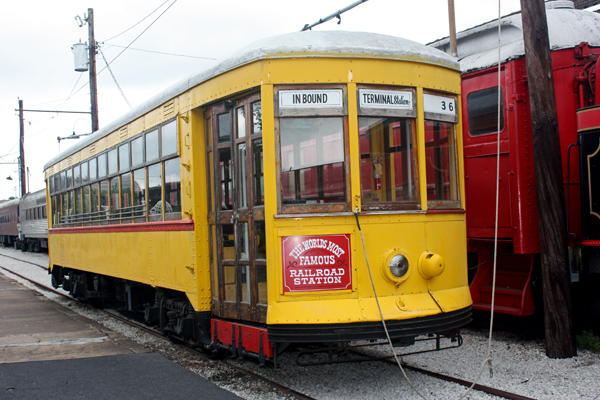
(315, 263)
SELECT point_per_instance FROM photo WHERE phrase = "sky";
(37, 66)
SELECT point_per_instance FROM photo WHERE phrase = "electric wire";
(138, 36)
(142, 20)
(115, 79)
(163, 53)
(133, 41)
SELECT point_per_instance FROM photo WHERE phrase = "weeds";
(588, 341)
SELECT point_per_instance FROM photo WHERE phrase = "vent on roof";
(169, 109)
(123, 133)
(93, 148)
(69, 161)
(559, 4)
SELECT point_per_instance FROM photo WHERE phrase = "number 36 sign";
(440, 107)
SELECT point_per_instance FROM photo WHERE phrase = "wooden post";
(556, 282)
(93, 86)
(452, 25)
(22, 150)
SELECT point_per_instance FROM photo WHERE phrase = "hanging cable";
(387, 334)
(115, 79)
(488, 358)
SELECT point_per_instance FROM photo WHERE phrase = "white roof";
(477, 47)
(309, 44)
(9, 203)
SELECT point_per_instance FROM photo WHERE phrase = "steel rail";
(463, 382)
(28, 262)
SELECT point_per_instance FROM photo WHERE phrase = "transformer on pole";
(81, 51)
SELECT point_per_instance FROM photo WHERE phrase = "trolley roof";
(34, 199)
(9, 203)
(298, 44)
(477, 47)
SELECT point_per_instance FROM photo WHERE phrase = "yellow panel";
(136, 127)
(452, 248)
(453, 299)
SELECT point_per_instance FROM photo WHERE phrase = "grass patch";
(588, 341)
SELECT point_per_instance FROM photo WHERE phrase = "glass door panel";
(238, 210)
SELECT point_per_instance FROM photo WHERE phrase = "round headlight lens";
(399, 265)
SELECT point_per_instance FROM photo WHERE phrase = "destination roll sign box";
(327, 98)
(385, 99)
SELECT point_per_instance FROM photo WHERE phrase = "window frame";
(412, 115)
(337, 112)
(452, 204)
(118, 215)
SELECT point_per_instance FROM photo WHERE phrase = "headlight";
(399, 265)
(395, 266)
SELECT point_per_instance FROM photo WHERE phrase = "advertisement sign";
(316, 263)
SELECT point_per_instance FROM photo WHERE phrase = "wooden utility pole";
(452, 26)
(22, 150)
(558, 317)
(93, 87)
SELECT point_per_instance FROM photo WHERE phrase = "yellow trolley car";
(227, 208)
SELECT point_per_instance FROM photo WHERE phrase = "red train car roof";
(477, 47)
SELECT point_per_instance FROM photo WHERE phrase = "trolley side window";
(482, 109)
(441, 157)
(313, 172)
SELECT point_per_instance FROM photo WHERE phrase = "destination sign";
(439, 104)
(311, 98)
(386, 99)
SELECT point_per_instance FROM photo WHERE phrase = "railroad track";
(277, 386)
(28, 262)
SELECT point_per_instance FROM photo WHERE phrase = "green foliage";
(588, 341)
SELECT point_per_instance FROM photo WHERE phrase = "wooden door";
(239, 259)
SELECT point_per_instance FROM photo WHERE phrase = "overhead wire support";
(336, 14)
(115, 79)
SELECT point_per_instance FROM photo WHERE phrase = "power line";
(160, 52)
(142, 20)
(133, 41)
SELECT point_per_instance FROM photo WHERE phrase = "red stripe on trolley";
(590, 242)
(588, 118)
(160, 226)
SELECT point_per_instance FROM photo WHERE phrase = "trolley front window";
(387, 163)
(312, 124)
(312, 160)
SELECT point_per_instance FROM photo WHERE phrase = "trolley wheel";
(24, 246)
(214, 354)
